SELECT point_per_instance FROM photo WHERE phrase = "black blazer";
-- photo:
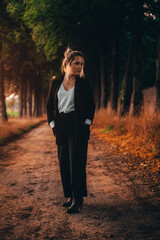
(84, 107)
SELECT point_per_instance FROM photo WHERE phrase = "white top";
(66, 103)
(65, 99)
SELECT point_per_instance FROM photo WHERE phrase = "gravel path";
(120, 205)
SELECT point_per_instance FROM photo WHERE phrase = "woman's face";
(76, 66)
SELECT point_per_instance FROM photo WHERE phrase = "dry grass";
(15, 127)
(146, 126)
(135, 136)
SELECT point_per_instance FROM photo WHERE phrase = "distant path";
(119, 205)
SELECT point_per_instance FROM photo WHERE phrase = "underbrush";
(138, 137)
(142, 129)
(16, 127)
(12, 114)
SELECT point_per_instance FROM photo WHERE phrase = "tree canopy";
(35, 33)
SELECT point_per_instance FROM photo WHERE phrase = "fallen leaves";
(135, 137)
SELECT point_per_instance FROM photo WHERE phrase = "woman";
(70, 111)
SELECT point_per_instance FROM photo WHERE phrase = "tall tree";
(115, 73)
(138, 16)
(102, 79)
(127, 85)
(97, 28)
(2, 96)
(3, 30)
(22, 53)
(116, 14)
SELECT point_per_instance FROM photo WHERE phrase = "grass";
(138, 137)
(16, 127)
(109, 128)
(11, 113)
(144, 129)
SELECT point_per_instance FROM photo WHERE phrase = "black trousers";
(72, 159)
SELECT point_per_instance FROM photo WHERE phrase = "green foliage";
(19, 133)
(13, 113)
(2, 139)
(38, 31)
(28, 127)
(123, 130)
(155, 150)
(108, 129)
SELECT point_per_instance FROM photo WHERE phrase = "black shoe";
(68, 203)
(76, 205)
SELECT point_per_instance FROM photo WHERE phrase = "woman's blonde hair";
(69, 56)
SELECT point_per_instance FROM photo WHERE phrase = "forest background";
(119, 39)
(121, 44)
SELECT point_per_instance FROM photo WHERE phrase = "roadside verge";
(15, 128)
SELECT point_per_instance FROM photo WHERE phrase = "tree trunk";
(105, 91)
(127, 85)
(137, 56)
(102, 78)
(25, 96)
(97, 88)
(40, 102)
(93, 83)
(94, 75)
(157, 82)
(29, 97)
(35, 102)
(38, 97)
(34, 108)
(20, 96)
(115, 73)
(44, 97)
(3, 104)
(103, 81)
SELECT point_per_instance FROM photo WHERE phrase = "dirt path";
(119, 204)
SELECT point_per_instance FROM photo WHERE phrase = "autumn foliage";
(138, 137)
(16, 127)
